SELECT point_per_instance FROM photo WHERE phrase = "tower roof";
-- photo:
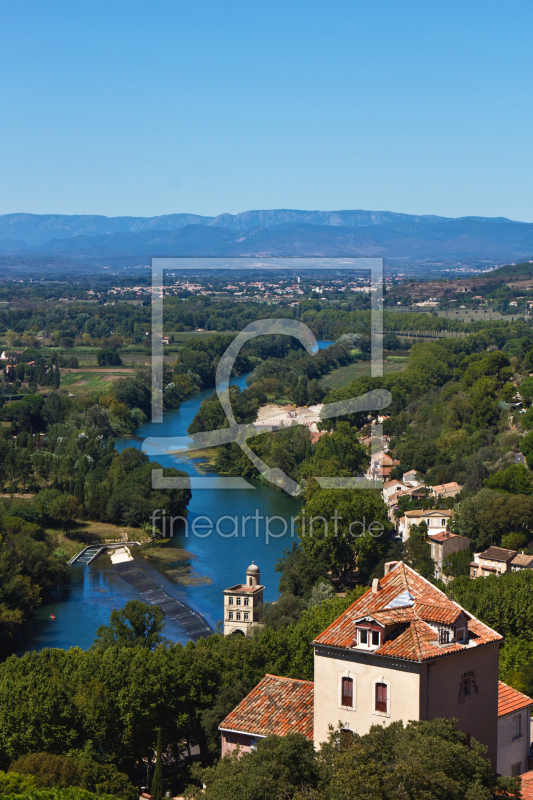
(253, 569)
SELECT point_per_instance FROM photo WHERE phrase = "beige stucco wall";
(478, 714)
(513, 751)
(365, 668)
(231, 741)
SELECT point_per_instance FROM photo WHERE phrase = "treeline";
(113, 697)
(29, 570)
(286, 377)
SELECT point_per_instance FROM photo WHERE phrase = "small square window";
(231, 601)
(238, 601)
(238, 614)
(231, 614)
(246, 601)
(516, 770)
(246, 616)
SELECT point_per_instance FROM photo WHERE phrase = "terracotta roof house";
(276, 706)
(494, 561)
(447, 489)
(514, 734)
(527, 786)
(436, 521)
(442, 546)
(521, 561)
(402, 651)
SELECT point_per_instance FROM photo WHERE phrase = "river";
(97, 589)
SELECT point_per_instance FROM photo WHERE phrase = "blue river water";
(221, 560)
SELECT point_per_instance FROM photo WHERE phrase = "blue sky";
(141, 108)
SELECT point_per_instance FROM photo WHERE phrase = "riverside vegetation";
(97, 714)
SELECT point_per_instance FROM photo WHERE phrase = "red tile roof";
(510, 700)
(413, 638)
(527, 785)
(276, 706)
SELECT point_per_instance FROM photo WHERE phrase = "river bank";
(254, 524)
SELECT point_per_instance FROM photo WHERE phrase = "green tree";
(137, 624)
(275, 770)
(516, 479)
(348, 529)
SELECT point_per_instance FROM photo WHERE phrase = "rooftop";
(527, 785)
(242, 587)
(498, 554)
(510, 700)
(414, 607)
(439, 512)
(521, 560)
(441, 537)
(276, 706)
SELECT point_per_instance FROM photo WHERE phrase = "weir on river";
(218, 559)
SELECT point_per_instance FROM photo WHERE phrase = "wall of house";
(365, 669)
(230, 742)
(476, 714)
(513, 751)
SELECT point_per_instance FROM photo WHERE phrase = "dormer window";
(444, 636)
(368, 637)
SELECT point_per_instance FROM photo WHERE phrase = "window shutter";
(381, 697)
(347, 692)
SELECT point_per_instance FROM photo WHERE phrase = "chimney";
(390, 565)
(375, 586)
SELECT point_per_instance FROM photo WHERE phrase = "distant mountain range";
(417, 239)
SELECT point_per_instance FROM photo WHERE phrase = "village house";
(514, 736)
(411, 478)
(403, 651)
(494, 561)
(521, 561)
(437, 521)
(241, 602)
(446, 490)
(442, 546)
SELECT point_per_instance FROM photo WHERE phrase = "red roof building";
(514, 731)
(276, 706)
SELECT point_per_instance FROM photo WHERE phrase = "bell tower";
(241, 602)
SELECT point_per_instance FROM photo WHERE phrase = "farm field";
(342, 376)
(92, 380)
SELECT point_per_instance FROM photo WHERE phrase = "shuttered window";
(347, 692)
(381, 697)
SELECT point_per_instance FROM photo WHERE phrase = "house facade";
(494, 561)
(241, 602)
(514, 730)
(437, 521)
(402, 651)
(442, 546)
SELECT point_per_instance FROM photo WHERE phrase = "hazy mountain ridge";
(36, 229)
(278, 232)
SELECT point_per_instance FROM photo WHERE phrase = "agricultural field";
(100, 380)
(342, 376)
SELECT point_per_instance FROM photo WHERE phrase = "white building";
(241, 602)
